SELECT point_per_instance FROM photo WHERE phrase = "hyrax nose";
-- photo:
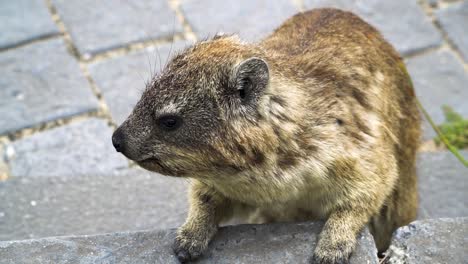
(118, 140)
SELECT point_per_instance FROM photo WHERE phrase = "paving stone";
(275, 243)
(80, 148)
(402, 22)
(122, 79)
(97, 26)
(431, 241)
(443, 185)
(439, 79)
(252, 20)
(454, 21)
(131, 199)
(24, 20)
(40, 83)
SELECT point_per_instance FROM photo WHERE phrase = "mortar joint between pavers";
(62, 28)
(429, 11)
(188, 30)
(32, 42)
(423, 51)
(451, 46)
(131, 48)
(103, 108)
(44, 126)
(430, 145)
(4, 167)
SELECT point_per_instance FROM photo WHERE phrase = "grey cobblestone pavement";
(72, 70)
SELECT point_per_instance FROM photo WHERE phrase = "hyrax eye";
(169, 122)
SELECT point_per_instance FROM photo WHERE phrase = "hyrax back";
(317, 121)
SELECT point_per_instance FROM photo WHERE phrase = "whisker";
(172, 41)
(145, 82)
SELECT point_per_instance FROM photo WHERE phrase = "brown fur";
(328, 130)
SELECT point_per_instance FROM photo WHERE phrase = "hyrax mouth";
(152, 164)
(150, 160)
(155, 164)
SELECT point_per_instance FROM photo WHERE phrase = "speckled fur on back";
(317, 121)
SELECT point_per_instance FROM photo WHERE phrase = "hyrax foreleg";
(207, 208)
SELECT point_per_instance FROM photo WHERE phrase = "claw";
(183, 256)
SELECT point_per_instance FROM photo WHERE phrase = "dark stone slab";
(97, 26)
(40, 83)
(443, 185)
(33, 207)
(454, 21)
(439, 79)
(252, 20)
(442, 240)
(402, 22)
(23, 21)
(275, 243)
(76, 149)
(122, 79)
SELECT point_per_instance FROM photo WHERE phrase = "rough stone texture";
(402, 22)
(128, 200)
(96, 26)
(443, 185)
(275, 243)
(40, 83)
(454, 21)
(252, 20)
(122, 79)
(439, 79)
(431, 241)
(80, 148)
(24, 20)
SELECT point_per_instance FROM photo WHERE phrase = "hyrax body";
(318, 121)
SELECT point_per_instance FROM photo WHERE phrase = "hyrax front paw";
(328, 252)
(189, 246)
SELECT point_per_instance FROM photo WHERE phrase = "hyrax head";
(182, 124)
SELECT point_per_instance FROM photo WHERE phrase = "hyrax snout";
(318, 121)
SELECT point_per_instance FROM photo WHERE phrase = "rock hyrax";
(318, 121)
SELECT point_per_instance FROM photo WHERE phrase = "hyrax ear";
(250, 79)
